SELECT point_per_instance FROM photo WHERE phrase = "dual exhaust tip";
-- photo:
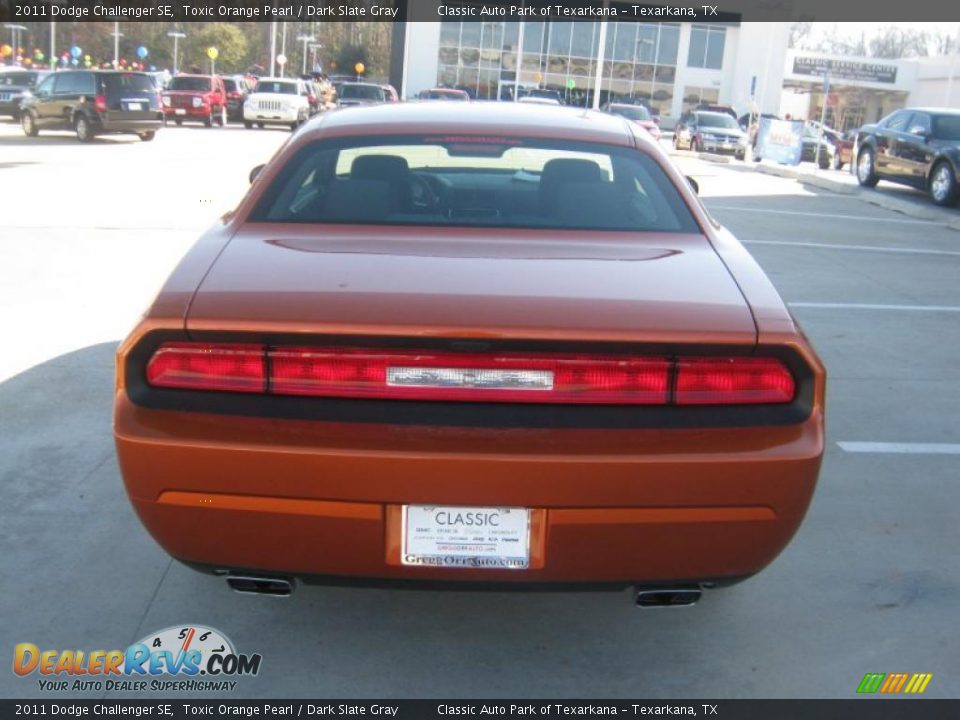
(645, 597)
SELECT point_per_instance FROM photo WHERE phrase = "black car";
(828, 155)
(94, 102)
(914, 146)
(13, 83)
(236, 96)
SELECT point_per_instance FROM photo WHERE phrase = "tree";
(894, 42)
(799, 33)
(230, 41)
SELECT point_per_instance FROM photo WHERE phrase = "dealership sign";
(845, 69)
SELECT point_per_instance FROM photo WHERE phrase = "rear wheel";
(208, 120)
(179, 122)
(83, 129)
(694, 145)
(260, 125)
(148, 135)
(29, 125)
(824, 161)
(247, 124)
(943, 184)
(866, 174)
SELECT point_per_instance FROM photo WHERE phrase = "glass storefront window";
(706, 46)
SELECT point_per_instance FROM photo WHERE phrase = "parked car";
(93, 102)
(710, 132)
(14, 84)
(713, 107)
(828, 155)
(915, 146)
(637, 114)
(444, 94)
(236, 89)
(200, 98)
(277, 101)
(841, 144)
(381, 367)
(537, 100)
(355, 93)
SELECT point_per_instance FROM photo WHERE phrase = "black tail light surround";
(421, 381)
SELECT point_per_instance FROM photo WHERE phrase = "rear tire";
(84, 131)
(208, 120)
(148, 135)
(943, 184)
(866, 174)
(247, 124)
(179, 122)
(29, 124)
(260, 125)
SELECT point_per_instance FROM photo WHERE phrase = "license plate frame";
(465, 537)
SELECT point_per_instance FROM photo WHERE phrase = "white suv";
(277, 101)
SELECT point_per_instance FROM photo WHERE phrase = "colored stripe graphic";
(918, 683)
(871, 682)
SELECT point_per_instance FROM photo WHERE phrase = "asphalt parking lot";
(87, 234)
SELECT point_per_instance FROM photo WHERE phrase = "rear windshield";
(230, 85)
(189, 84)
(468, 181)
(361, 92)
(946, 127)
(128, 83)
(447, 95)
(21, 79)
(277, 88)
(631, 112)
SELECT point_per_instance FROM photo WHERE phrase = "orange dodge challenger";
(497, 347)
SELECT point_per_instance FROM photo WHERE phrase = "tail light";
(465, 377)
(310, 99)
(100, 103)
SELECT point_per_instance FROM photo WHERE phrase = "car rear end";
(14, 85)
(470, 406)
(127, 102)
(236, 96)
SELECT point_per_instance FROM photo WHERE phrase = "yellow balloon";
(212, 53)
(359, 67)
(6, 51)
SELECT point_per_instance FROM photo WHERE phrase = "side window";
(898, 121)
(46, 87)
(74, 83)
(920, 124)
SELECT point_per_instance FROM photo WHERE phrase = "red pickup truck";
(200, 98)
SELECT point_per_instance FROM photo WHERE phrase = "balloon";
(6, 51)
(87, 63)
(76, 52)
(212, 53)
(142, 52)
(359, 67)
(87, 57)
(153, 68)
(74, 61)
(38, 56)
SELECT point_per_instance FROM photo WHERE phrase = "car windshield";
(20, 79)
(190, 84)
(453, 180)
(447, 95)
(631, 112)
(361, 92)
(718, 120)
(946, 127)
(128, 83)
(276, 88)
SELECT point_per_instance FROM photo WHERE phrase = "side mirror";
(656, 120)
(694, 184)
(255, 172)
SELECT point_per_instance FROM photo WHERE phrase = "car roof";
(935, 110)
(511, 119)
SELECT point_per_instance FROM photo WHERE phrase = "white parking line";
(867, 248)
(858, 218)
(865, 306)
(901, 448)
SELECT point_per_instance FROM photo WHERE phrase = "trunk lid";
(469, 282)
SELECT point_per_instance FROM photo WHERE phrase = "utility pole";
(53, 45)
(273, 48)
(601, 54)
(305, 39)
(116, 44)
(176, 36)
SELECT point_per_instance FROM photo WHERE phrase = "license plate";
(465, 537)
(134, 106)
(180, 111)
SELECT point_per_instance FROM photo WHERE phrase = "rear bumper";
(308, 498)
(131, 126)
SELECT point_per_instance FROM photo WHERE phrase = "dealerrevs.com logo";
(179, 658)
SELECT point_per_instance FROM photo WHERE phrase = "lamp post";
(176, 37)
(116, 44)
(15, 31)
(313, 54)
(305, 39)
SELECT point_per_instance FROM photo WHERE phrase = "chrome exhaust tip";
(667, 597)
(260, 585)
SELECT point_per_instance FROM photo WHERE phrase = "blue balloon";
(74, 61)
(76, 51)
(142, 52)
(153, 68)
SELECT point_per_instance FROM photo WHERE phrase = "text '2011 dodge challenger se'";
(503, 348)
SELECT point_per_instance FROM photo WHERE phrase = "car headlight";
(166, 100)
(198, 102)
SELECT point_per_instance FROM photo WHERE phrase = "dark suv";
(13, 83)
(94, 102)
(914, 146)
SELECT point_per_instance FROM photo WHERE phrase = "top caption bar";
(435, 10)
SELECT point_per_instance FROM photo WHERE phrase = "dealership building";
(669, 67)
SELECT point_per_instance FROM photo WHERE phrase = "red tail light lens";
(100, 103)
(733, 381)
(411, 375)
(199, 366)
(441, 376)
